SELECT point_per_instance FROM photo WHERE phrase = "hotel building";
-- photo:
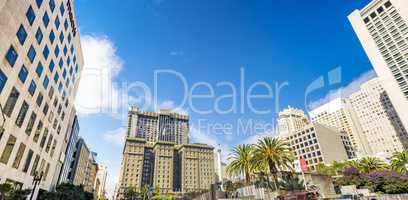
(340, 114)
(291, 120)
(158, 126)
(382, 29)
(169, 167)
(379, 121)
(40, 62)
(318, 143)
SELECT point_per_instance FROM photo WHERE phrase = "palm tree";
(353, 164)
(370, 164)
(399, 162)
(274, 153)
(241, 161)
(337, 167)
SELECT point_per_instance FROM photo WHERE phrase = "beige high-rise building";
(318, 143)
(379, 121)
(291, 120)
(382, 29)
(197, 167)
(100, 181)
(340, 114)
(40, 62)
(80, 168)
(158, 126)
(166, 166)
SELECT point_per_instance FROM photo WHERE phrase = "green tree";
(67, 191)
(241, 162)
(370, 164)
(9, 192)
(274, 153)
(131, 193)
(399, 162)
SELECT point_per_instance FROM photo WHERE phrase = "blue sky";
(211, 41)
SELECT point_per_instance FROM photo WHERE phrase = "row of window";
(8, 149)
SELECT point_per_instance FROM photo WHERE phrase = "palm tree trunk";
(247, 177)
(273, 171)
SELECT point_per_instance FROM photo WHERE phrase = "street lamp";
(36, 181)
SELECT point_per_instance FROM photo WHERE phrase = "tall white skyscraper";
(382, 29)
(291, 120)
(40, 62)
(339, 113)
(380, 124)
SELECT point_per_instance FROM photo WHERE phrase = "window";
(52, 36)
(32, 88)
(51, 66)
(30, 123)
(35, 165)
(3, 80)
(62, 9)
(21, 115)
(56, 77)
(52, 5)
(46, 19)
(39, 100)
(69, 38)
(44, 138)
(45, 109)
(39, 2)
(57, 22)
(22, 75)
(11, 102)
(48, 146)
(19, 155)
(66, 24)
(21, 34)
(387, 4)
(39, 69)
(31, 54)
(28, 160)
(30, 15)
(38, 131)
(46, 171)
(65, 50)
(56, 51)
(5, 156)
(61, 37)
(51, 92)
(61, 63)
(11, 56)
(45, 82)
(39, 35)
(46, 52)
(53, 148)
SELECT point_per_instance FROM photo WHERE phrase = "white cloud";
(97, 90)
(344, 92)
(116, 137)
(170, 105)
(176, 53)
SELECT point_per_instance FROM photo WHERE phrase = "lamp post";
(36, 181)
